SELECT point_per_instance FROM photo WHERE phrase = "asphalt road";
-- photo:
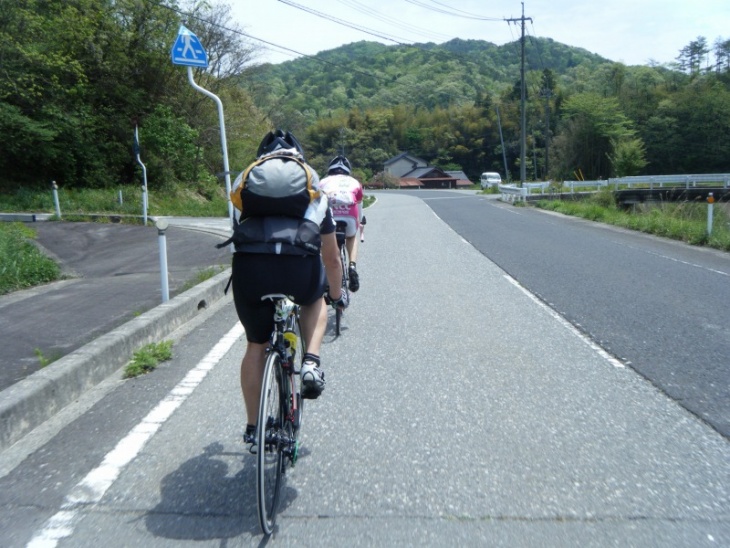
(658, 305)
(113, 275)
(454, 414)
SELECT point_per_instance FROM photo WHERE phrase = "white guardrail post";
(162, 225)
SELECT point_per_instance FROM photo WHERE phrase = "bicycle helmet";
(339, 165)
(275, 140)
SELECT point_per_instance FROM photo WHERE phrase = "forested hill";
(369, 74)
(72, 99)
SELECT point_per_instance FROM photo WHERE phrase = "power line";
(370, 12)
(343, 22)
(454, 12)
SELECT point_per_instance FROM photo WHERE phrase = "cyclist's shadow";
(201, 501)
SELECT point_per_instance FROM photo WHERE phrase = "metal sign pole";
(144, 176)
(224, 143)
(188, 51)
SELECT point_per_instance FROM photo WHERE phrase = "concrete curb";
(32, 401)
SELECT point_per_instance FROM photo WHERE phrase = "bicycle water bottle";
(290, 338)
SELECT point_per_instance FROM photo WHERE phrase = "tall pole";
(145, 202)
(523, 117)
(224, 144)
(523, 128)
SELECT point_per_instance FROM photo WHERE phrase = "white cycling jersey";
(345, 198)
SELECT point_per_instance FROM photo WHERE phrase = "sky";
(634, 32)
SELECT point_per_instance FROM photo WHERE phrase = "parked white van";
(490, 178)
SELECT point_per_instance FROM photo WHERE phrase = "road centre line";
(601, 352)
(92, 488)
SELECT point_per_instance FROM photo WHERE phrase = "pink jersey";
(344, 194)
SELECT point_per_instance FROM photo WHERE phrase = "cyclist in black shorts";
(264, 265)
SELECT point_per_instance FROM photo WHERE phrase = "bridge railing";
(660, 181)
(572, 185)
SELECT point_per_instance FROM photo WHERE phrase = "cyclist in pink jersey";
(345, 196)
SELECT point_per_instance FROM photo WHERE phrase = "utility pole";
(523, 128)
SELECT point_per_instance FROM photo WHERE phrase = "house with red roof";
(414, 172)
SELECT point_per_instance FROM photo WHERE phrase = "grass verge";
(684, 221)
(22, 264)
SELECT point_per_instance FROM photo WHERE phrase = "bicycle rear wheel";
(270, 456)
(344, 259)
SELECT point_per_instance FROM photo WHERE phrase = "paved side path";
(114, 274)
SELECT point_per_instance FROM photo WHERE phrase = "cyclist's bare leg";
(313, 322)
(352, 243)
(332, 265)
(252, 374)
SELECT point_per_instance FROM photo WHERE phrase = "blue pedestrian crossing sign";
(188, 50)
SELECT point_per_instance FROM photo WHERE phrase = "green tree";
(590, 127)
(628, 156)
(79, 74)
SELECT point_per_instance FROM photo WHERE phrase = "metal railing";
(512, 192)
(659, 181)
(585, 184)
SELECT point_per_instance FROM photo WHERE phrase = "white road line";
(601, 352)
(680, 261)
(92, 488)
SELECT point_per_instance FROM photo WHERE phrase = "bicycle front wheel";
(270, 455)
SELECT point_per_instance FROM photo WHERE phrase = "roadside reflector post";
(56, 203)
(161, 228)
(710, 205)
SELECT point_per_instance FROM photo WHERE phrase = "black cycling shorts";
(302, 278)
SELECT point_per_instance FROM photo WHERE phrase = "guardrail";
(582, 184)
(541, 185)
(512, 192)
(687, 181)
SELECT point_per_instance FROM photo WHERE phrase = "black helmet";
(274, 140)
(339, 164)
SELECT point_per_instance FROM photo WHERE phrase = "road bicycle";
(345, 260)
(280, 409)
